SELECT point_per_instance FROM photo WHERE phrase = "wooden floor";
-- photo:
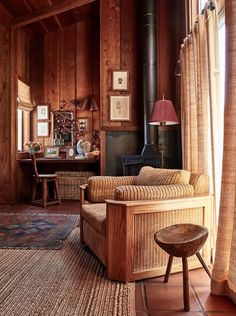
(153, 297)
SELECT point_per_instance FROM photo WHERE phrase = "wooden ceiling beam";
(55, 17)
(48, 12)
(30, 9)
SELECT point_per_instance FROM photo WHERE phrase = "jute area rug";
(65, 282)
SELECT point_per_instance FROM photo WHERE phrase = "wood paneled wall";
(119, 50)
(5, 114)
(70, 69)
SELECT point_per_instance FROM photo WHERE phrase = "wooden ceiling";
(43, 16)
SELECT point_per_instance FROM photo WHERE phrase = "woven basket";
(69, 182)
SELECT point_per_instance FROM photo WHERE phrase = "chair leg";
(57, 192)
(34, 191)
(168, 269)
(203, 264)
(45, 192)
(185, 284)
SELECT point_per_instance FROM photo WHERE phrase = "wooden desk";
(50, 165)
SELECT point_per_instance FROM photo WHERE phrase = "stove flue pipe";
(149, 76)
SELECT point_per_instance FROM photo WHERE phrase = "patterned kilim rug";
(35, 230)
(69, 282)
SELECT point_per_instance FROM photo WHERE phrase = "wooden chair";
(44, 180)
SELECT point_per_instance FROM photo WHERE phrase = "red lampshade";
(163, 113)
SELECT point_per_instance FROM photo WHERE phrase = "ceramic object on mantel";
(83, 147)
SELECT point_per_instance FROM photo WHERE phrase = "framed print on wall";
(120, 80)
(42, 129)
(42, 112)
(120, 108)
(83, 124)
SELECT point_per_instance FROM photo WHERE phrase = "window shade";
(24, 97)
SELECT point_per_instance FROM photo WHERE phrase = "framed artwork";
(70, 152)
(51, 151)
(120, 80)
(120, 108)
(83, 124)
(42, 112)
(43, 129)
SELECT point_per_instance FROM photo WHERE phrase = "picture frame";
(120, 80)
(43, 112)
(120, 108)
(83, 124)
(70, 152)
(51, 151)
(42, 129)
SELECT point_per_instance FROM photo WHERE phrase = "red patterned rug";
(35, 231)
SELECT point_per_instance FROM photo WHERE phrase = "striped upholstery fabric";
(138, 192)
(200, 182)
(156, 176)
(101, 188)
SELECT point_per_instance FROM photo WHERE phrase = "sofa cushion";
(95, 215)
(160, 192)
(101, 188)
(157, 176)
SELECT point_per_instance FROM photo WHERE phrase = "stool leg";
(203, 264)
(168, 269)
(185, 284)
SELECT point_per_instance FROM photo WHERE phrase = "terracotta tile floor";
(154, 298)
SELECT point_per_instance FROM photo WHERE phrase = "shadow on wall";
(121, 143)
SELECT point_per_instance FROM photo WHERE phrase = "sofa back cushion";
(157, 176)
(101, 188)
(155, 192)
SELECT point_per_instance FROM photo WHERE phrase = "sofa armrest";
(130, 230)
(200, 182)
(156, 192)
(103, 187)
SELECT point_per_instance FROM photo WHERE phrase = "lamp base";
(150, 150)
(161, 148)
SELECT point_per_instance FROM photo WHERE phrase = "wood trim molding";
(48, 12)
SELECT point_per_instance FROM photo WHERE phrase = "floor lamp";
(163, 113)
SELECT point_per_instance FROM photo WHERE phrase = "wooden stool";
(182, 240)
(44, 179)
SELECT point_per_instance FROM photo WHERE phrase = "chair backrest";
(34, 165)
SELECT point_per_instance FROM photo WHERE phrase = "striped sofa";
(123, 213)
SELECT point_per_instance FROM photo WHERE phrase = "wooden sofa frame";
(131, 253)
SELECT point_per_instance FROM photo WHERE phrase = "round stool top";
(181, 240)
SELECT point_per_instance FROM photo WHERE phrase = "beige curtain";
(224, 269)
(202, 124)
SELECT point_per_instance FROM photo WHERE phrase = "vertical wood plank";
(22, 47)
(129, 51)
(52, 69)
(109, 53)
(83, 59)
(67, 63)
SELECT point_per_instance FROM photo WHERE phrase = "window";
(25, 106)
(23, 128)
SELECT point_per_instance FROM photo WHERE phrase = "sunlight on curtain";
(224, 269)
(201, 117)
